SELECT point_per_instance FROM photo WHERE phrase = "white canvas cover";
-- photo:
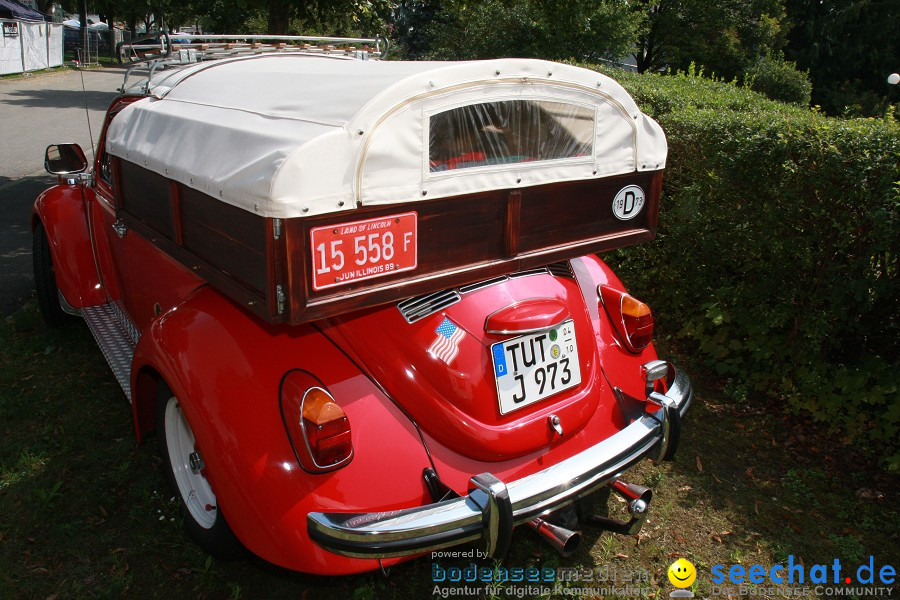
(292, 135)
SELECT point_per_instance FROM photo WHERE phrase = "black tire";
(45, 280)
(213, 534)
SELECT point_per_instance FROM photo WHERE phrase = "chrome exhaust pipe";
(633, 494)
(637, 498)
(564, 541)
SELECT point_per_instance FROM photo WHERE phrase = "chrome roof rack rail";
(163, 49)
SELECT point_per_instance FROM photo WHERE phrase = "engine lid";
(495, 375)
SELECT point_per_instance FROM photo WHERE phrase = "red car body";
(409, 414)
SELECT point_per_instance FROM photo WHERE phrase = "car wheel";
(185, 471)
(45, 280)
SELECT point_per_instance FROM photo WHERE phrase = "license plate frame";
(346, 253)
(532, 381)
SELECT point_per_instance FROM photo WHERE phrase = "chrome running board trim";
(116, 336)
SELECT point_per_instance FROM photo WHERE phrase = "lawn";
(84, 512)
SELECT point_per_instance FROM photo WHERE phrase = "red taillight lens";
(327, 428)
(632, 318)
(317, 426)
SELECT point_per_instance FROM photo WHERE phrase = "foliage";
(849, 47)
(777, 257)
(410, 22)
(726, 37)
(780, 80)
(549, 29)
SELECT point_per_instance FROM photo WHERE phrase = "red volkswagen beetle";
(357, 300)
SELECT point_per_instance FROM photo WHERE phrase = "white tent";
(291, 135)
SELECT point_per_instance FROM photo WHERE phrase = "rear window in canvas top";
(508, 132)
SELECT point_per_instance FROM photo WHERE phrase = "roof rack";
(163, 49)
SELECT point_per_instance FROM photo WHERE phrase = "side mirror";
(65, 159)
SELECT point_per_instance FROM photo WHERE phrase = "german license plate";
(535, 366)
(349, 252)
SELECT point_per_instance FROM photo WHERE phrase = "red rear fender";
(226, 368)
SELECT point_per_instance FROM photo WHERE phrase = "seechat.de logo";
(682, 574)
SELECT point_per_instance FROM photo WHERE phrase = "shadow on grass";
(16, 280)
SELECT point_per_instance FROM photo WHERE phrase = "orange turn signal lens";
(317, 426)
(631, 318)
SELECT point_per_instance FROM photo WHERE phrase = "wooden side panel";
(145, 197)
(228, 238)
(228, 247)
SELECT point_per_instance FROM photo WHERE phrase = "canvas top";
(293, 134)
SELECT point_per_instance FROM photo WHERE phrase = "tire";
(204, 521)
(45, 281)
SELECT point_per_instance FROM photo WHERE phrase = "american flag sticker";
(446, 346)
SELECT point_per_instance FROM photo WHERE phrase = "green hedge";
(776, 264)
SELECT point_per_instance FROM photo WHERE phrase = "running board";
(117, 338)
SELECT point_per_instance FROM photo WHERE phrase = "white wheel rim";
(192, 484)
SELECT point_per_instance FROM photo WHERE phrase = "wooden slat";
(513, 224)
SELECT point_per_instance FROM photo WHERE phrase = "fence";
(29, 46)
(90, 45)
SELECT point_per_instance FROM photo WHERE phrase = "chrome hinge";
(276, 224)
(120, 228)
(279, 298)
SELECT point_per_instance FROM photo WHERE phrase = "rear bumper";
(491, 510)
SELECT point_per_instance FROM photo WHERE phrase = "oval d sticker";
(628, 202)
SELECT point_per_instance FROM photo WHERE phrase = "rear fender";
(621, 367)
(61, 209)
(226, 367)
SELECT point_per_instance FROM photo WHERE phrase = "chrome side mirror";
(65, 159)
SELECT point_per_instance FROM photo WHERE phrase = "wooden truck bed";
(268, 265)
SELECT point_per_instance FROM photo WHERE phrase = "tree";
(726, 37)
(551, 29)
(849, 47)
(410, 23)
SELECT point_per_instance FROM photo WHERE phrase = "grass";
(10, 76)
(84, 512)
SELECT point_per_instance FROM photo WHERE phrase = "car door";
(142, 280)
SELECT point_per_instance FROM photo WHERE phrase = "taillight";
(317, 427)
(632, 318)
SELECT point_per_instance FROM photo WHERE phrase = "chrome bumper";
(492, 508)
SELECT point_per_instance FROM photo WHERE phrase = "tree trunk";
(111, 40)
(44, 6)
(279, 17)
(82, 19)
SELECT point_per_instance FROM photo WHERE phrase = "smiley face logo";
(682, 573)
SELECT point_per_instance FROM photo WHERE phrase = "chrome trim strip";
(520, 332)
(66, 307)
(451, 522)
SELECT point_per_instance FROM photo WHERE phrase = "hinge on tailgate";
(279, 298)
(276, 225)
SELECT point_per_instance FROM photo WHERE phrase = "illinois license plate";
(535, 366)
(349, 252)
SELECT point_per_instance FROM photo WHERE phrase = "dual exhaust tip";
(565, 541)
